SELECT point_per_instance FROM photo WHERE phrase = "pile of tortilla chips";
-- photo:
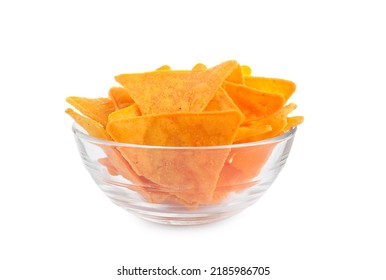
(216, 106)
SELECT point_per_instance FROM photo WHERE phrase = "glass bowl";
(183, 185)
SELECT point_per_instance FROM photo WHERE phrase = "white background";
(324, 217)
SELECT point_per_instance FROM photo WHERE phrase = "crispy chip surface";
(179, 129)
(125, 113)
(160, 92)
(199, 67)
(97, 109)
(93, 128)
(273, 85)
(120, 97)
(252, 102)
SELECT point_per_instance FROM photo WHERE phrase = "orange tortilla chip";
(110, 168)
(160, 92)
(97, 109)
(242, 165)
(247, 71)
(222, 102)
(125, 113)
(120, 97)
(292, 122)
(164, 68)
(189, 175)
(236, 76)
(253, 103)
(179, 129)
(278, 122)
(244, 133)
(93, 128)
(273, 85)
(199, 67)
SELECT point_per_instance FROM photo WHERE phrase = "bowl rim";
(81, 133)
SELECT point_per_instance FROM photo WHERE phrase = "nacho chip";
(236, 76)
(194, 171)
(244, 133)
(125, 113)
(164, 68)
(97, 109)
(247, 71)
(175, 91)
(222, 102)
(199, 67)
(253, 103)
(242, 167)
(292, 122)
(93, 128)
(278, 122)
(179, 129)
(190, 175)
(120, 97)
(273, 85)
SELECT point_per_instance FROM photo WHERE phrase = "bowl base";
(178, 215)
(180, 220)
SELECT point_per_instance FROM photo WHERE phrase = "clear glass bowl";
(183, 185)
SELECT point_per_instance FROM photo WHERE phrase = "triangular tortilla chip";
(125, 113)
(292, 122)
(247, 71)
(93, 128)
(253, 103)
(179, 129)
(222, 102)
(199, 67)
(160, 92)
(120, 97)
(244, 133)
(97, 109)
(278, 122)
(164, 68)
(273, 85)
(236, 76)
(188, 174)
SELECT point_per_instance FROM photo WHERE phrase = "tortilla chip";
(284, 87)
(97, 109)
(164, 68)
(236, 76)
(190, 175)
(247, 71)
(93, 128)
(222, 102)
(161, 92)
(243, 166)
(292, 122)
(278, 122)
(179, 129)
(244, 133)
(199, 67)
(120, 97)
(125, 113)
(254, 103)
